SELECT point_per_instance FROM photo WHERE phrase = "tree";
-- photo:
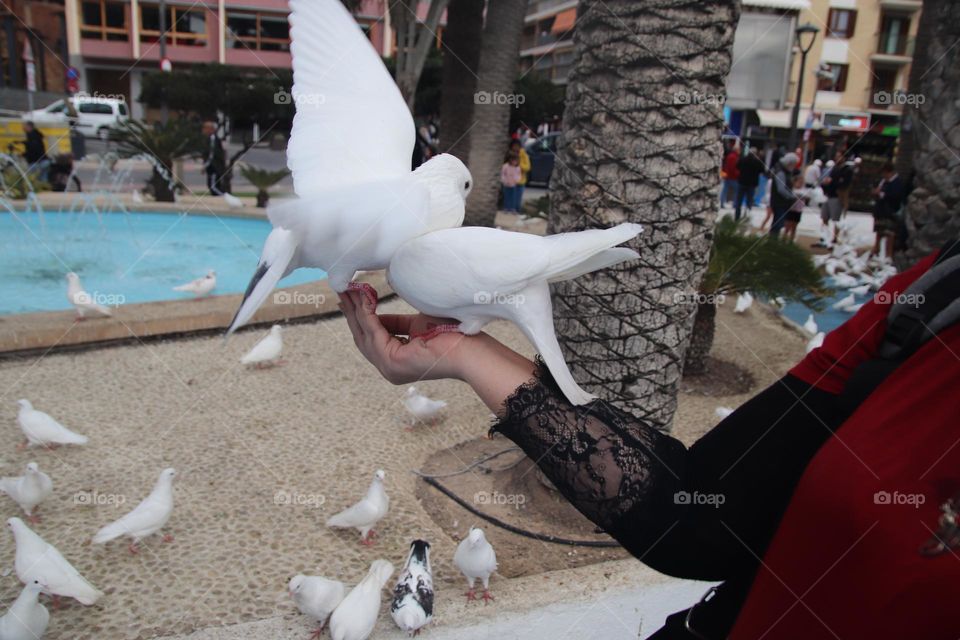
(542, 99)
(414, 39)
(491, 111)
(461, 58)
(931, 132)
(641, 142)
(262, 180)
(767, 266)
(161, 145)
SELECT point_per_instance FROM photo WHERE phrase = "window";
(258, 30)
(184, 26)
(99, 108)
(840, 23)
(837, 81)
(884, 86)
(103, 20)
(893, 35)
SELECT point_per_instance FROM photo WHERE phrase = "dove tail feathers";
(278, 252)
(110, 532)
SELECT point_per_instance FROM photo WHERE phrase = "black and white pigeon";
(412, 606)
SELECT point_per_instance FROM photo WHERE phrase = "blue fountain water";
(136, 257)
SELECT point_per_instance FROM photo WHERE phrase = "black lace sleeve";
(606, 463)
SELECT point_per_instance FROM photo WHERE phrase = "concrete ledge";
(57, 330)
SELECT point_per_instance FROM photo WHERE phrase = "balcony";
(893, 49)
(902, 5)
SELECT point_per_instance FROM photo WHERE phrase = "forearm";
(493, 370)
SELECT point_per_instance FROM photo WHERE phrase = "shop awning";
(564, 21)
(797, 5)
(780, 118)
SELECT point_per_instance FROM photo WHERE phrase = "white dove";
(41, 429)
(744, 301)
(233, 201)
(853, 308)
(816, 341)
(267, 352)
(421, 407)
(28, 490)
(38, 560)
(476, 558)
(82, 301)
(412, 606)
(137, 196)
(316, 597)
(810, 326)
(366, 513)
(861, 290)
(356, 616)
(845, 281)
(477, 275)
(201, 286)
(357, 198)
(26, 619)
(147, 518)
(845, 301)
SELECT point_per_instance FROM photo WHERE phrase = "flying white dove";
(744, 301)
(28, 490)
(421, 407)
(147, 518)
(233, 201)
(267, 352)
(26, 619)
(82, 301)
(356, 616)
(477, 275)
(201, 286)
(816, 341)
(316, 597)
(845, 302)
(412, 606)
(723, 412)
(38, 560)
(810, 326)
(41, 429)
(476, 558)
(366, 513)
(357, 198)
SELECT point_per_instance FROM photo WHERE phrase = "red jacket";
(845, 561)
(730, 170)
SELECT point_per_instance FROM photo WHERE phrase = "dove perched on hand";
(316, 597)
(412, 606)
(356, 616)
(41, 429)
(421, 407)
(267, 352)
(366, 513)
(477, 275)
(28, 490)
(147, 518)
(476, 558)
(26, 619)
(201, 286)
(357, 198)
(82, 301)
(38, 560)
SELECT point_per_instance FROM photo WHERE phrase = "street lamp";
(806, 34)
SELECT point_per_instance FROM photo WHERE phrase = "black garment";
(751, 168)
(660, 499)
(840, 178)
(35, 149)
(214, 156)
(892, 199)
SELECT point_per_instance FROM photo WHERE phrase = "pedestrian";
(524, 158)
(796, 210)
(887, 215)
(510, 175)
(811, 177)
(35, 151)
(834, 184)
(750, 168)
(214, 158)
(730, 174)
(852, 172)
(782, 198)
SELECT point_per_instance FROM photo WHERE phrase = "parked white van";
(93, 115)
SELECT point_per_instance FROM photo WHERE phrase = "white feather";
(147, 518)
(369, 511)
(26, 619)
(38, 560)
(201, 286)
(476, 558)
(41, 429)
(28, 490)
(356, 616)
(82, 301)
(269, 349)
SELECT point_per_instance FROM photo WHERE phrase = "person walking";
(834, 183)
(730, 174)
(889, 198)
(782, 198)
(510, 174)
(811, 177)
(214, 158)
(524, 158)
(35, 151)
(750, 168)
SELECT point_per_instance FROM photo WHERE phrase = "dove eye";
(466, 185)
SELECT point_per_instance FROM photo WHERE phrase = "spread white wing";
(351, 124)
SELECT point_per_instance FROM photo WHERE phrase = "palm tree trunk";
(701, 338)
(932, 131)
(641, 142)
(461, 57)
(413, 42)
(498, 71)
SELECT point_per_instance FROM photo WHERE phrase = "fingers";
(398, 325)
(373, 331)
(349, 307)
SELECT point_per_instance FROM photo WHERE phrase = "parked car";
(542, 152)
(92, 115)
